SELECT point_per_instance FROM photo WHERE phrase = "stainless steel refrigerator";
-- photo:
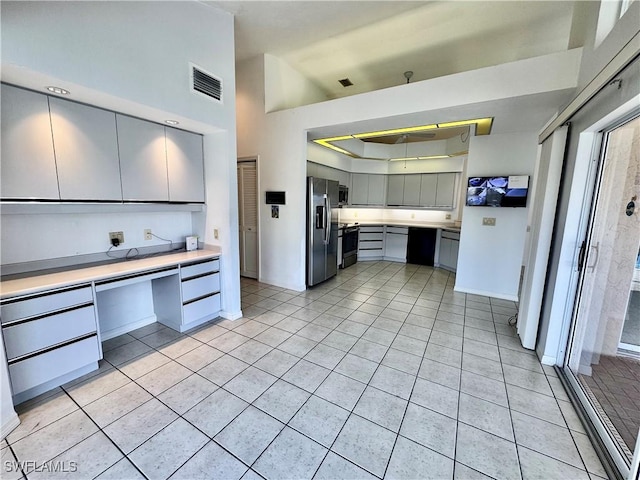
(322, 229)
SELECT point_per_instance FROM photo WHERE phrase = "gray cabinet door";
(412, 190)
(185, 162)
(143, 160)
(445, 189)
(428, 185)
(376, 189)
(86, 151)
(359, 193)
(28, 162)
(395, 190)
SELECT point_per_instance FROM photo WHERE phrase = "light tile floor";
(383, 372)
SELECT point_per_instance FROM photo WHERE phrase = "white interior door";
(248, 218)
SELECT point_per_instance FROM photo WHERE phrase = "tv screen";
(498, 191)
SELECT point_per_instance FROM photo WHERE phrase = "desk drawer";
(199, 286)
(39, 369)
(370, 245)
(44, 332)
(208, 306)
(195, 269)
(371, 236)
(24, 307)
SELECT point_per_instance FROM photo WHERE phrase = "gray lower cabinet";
(371, 242)
(448, 251)
(395, 243)
(200, 283)
(86, 150)
(185, 166)
(143, 160)
(28, 161)
(49, 338)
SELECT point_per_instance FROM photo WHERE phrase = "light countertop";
(37, 283)
(451, 226)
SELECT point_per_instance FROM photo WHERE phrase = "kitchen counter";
(404, 223)
(38, 282)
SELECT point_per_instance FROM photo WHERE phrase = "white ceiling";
(374, 42)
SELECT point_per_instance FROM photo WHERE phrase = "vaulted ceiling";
(373, 43)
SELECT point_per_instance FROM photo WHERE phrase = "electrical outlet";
(447, 216)
(215, 233)
(489, 221)
(116, 237)
(147, 234)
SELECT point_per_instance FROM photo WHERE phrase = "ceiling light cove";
(482, 127)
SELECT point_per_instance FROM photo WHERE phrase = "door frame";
(593, 142)
(256, 159)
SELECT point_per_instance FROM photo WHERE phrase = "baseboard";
(395, 259)
(8, 425)
(51, 384)
(231, 315)
(501, 296)
(548, 360)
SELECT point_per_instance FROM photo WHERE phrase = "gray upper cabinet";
(428, 186)
(86, 151)
(185, 164)
(359, 193)
(376, 189)
(143, 160)
(395, 190)
(411, 195)
(445, 189)
(28, 161)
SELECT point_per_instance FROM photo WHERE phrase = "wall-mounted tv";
(498, 191)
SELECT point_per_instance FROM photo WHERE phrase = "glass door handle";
(596, 249)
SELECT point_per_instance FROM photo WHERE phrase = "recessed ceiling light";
(172, 122)
(58, 90)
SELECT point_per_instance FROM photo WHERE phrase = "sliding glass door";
(603, 361)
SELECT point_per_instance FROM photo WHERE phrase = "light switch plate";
(489, 221)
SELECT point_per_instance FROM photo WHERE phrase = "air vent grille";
(206, 84)
(345, 82)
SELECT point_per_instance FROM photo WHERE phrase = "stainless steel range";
(350, 245)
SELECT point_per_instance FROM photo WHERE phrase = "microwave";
(343, 195)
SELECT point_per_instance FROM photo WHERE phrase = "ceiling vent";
(345, 82)
(205, 83)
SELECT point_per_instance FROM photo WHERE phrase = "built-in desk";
(53, 325)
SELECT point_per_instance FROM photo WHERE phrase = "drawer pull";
(201, 297)
(206, 274)
(12, 323)
(52, 347)
(9, 301)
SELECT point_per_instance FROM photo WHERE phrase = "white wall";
(490, 258)
(27, 238)
(285, 87)
(283, 145)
